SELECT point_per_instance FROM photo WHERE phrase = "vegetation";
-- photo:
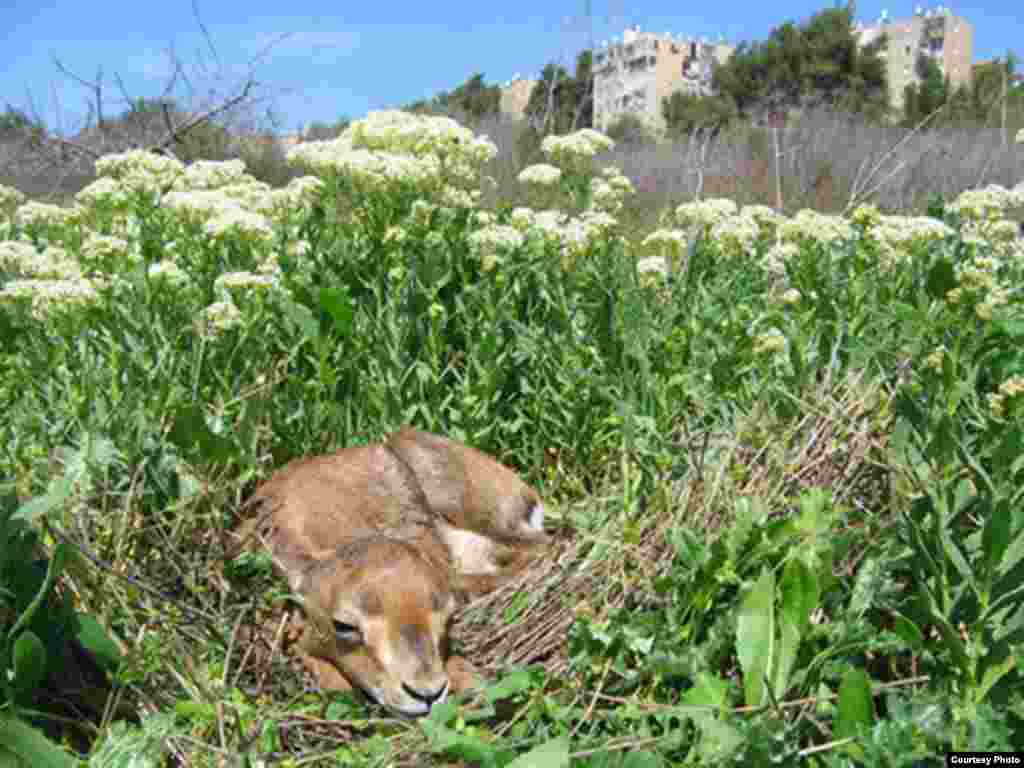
(818, 63)
(472, 101)
(782, 453)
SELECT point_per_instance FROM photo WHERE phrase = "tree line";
(819, 63)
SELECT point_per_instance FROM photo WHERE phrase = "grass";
(784, 479)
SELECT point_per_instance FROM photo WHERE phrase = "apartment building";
(515, 95)
(937, 33)
(634, 75)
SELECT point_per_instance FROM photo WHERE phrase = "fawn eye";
(347, 632)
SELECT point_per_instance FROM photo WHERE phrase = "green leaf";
(514, 682)
(800, 593)
(908, 632)
(550, 754)
(29, 658)
(755, 636)
(995, 539)
(90, 633)
(707, 691)
(336, 303)
(59, 492)
(993, 675)
(193, 436)
(24, 746)
(941, 279)
(855, 706)
(785, 657)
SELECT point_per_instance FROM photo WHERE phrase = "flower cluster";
(103, 191)
(218, 317)
(736, 235)
(702, 215)
(34, 213)
(541, 174)
(609, 193)
(108, 249)
(1008, 391)
(245, 281)
(211, 174)
(24, 260)
(977, 283)
(582, 232)
(237, 222)
(10, 198)
(669, 242)
(140, 170)
(811, 227)
(986, 204)
(574, 153)
(489, 243)
(901, 237)
(766, 218)
(51, 297)
(392, 147)
(417, 135)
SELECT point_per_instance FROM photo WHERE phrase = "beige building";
(937, 33)
(634, 75)
(515, 95)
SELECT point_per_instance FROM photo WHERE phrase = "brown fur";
(379, 541)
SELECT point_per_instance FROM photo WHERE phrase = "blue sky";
(344, 58)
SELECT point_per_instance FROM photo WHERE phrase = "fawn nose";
(427, 697)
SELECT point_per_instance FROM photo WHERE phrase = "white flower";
(102, 191)
(736, 235)
(609, 193)
(236, 222)
(101, 247)
(983, 204)
(24, 260)
(250, 194)
(671, 242)
(767, 219)
(1008, 390)
(813, 227)
(491, 242)
(199, 204)
(704, 214)
(245, 280)
(51, 296)
(522, 218)
(217, 317)
(575, 152)
(1020, 136)
(36, 213)
(212, 174)
(140, 170)
(652, 264)
(541, 174)
(10, 197)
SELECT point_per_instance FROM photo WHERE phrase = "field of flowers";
(789, 445)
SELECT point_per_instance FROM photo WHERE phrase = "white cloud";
(291, 43)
